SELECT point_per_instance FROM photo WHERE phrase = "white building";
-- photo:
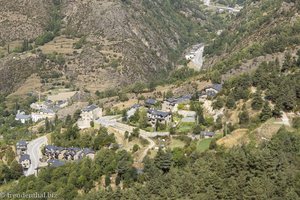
(89, 114)
(25, 161)
(132, 110)
(21, 116)
(189, 56)
(42, 114)
(157, 116)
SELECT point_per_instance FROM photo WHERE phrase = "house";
(207, 134)
(157, 116)
(70, 153)
(43, 114)
(21, 116)
(150, 102)
(25, 161)
(86, 152)
(132, 110)
(52, 151)
(210, 91)
(21, 147)
(89, 114)
(41, 105)
(171, 104)
(55, 163)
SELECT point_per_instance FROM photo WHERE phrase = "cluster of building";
(56, 154)
(46, 109)
(171, 105)
(24, 158)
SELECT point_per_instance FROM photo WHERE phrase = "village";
(160, 117)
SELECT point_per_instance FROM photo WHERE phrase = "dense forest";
(269, 171)
(276, 83)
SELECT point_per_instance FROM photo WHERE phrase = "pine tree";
(230, 102)
(163, 160)
(244, 117)
(276, 111)
(266, 112)
(257, 102)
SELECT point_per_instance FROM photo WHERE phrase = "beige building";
(43, 114)
(25, 161)
(88, 115)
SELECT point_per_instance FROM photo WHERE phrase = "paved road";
(34, 150)
(198, 59)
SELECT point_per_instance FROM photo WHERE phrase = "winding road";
(34, 150)
(111, 121)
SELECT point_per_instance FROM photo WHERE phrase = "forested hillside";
(262, 28)
(270, 171)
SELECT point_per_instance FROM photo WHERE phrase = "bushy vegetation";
(280, 85)
(270, 171)
(53, 25)
(65, 181)
(252, 20)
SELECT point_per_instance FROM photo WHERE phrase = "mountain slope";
(131, 40)
(23, 19)
(120, 41)
(262, 31)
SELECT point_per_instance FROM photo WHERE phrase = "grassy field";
(176, 143)
(185, 127)
(236, 138)
(7, 186)
(203, 145)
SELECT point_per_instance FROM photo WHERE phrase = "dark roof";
(22, 143)
(22, 116)
(53, 148)
(90, 108)
(150, 101)
(217, 87)
(135, 106)
(55, 163)
(48, 111)
(87, 151)
(207, 133)
(158, 113)
(179, 99)
(24, 157)
(76, 149)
